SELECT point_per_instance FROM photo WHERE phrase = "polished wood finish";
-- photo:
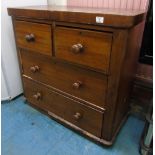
(64, 107)
(117, 56)
(80, 47)
(113, 17)
(79, 71)
(128, 70)
(33, 36)
(70, 79)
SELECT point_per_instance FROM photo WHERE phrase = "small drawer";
(34, 36)
(84, 47)
(78, 114)
(87, 85)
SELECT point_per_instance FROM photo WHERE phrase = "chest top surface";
(94, 16)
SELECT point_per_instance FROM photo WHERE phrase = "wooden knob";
(34, 69)
(77, 48)
(77, 84)
(77, 116)
(30, 37)
(37, 96)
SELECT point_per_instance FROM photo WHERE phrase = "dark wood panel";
(128, 70)
(29, 13)
(84, 84)
(116, 63)
(34, 36)
(86, 26)
(70, 110)
(89, 48)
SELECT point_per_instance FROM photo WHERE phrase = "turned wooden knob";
(29, 37)
(77, 116)
(77, 48)
(37, 96)
(77, 84)
(34, 69)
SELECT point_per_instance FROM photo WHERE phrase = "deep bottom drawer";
(74, 112)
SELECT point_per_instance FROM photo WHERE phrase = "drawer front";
(84, 47)
(87, 85)
(80, 115)
(33, 36)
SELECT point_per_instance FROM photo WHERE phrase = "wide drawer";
(83, 84)
(34, 36)
(84, 47)
(78, 114)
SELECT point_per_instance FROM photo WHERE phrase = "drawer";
(78, 114)
(84, 47)
(33, 36)
(87, 85)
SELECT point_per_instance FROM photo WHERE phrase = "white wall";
(5, 94)
(11, 81)
(57, 2)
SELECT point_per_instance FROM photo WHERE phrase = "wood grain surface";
(41, 43)
(96, 47)
(112, 17)
(62, 76)
(89, 119)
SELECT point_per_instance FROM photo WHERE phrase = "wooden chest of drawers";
(77, 64)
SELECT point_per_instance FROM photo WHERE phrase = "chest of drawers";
(77, 64)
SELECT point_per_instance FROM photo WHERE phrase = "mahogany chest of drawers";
(77, 64)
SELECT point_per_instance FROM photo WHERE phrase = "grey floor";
(25, 131)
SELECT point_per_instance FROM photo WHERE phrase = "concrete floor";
(25, 131)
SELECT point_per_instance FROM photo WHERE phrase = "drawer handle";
(77, 48)
(77, 116)
(77, 84)
(37, 96)
(34, 69)
(30, 37)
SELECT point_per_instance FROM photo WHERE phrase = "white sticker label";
(99, 19)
